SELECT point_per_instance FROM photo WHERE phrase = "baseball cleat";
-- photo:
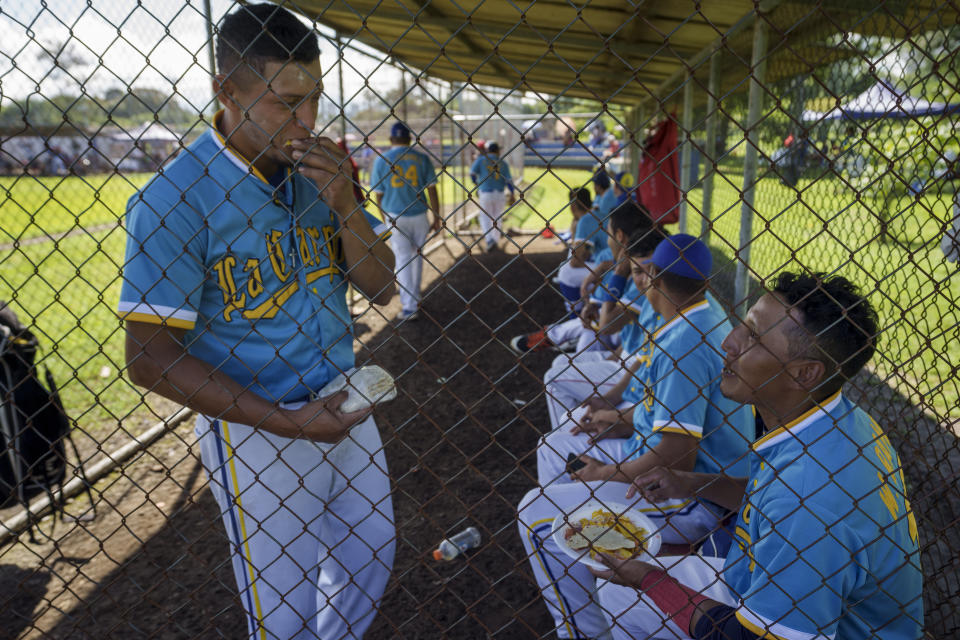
(536, 341)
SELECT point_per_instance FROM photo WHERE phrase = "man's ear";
(225, 89)
(807, 375)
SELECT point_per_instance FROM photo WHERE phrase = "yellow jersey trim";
(807, 414)
(760, 631)
(176, 323)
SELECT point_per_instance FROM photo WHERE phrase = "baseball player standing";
(400, 177)
(238, 258)
(491, 174)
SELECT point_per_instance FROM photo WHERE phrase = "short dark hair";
(682, 286)
(628, 217)
(601, 179)
(256, 34)
(643, 242)
(839, 326)
(582, 195)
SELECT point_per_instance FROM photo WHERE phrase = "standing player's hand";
(437, 224)
(511, 200)
(321, 160)
(322, 420)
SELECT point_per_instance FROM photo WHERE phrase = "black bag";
(34, 428)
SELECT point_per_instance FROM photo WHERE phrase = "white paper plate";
(561, 524)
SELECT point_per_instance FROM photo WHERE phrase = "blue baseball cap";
(683, 255)
(399, 130)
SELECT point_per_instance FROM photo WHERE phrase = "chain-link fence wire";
(855, 138)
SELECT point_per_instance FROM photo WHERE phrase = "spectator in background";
(403, 180)
(826, 542)
(491, 174)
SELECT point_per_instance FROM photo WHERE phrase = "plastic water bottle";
(450, 548)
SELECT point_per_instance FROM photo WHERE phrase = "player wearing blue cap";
(491, 174)
(238, 258)
(400, 178)
(826, 543)
(670, 412)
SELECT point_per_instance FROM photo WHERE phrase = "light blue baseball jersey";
(491, 173)
(634, 334)
(402, 175)
(254, 273)
(826, 542)
(592, 227)
(680, 373)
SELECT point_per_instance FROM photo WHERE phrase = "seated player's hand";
(663, 483)
(592, 470)
(597, 401)
(588, 315)
(321, 160)
(629, 573)
(322, 420)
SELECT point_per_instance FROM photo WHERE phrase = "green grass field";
(68, 289)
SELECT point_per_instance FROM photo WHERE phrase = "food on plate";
(606, 532)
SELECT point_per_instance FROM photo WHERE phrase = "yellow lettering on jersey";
(303, 246)
(255, 279)
(911, 522)
(747, 513)
(314, 234)
(744, 541)
(276, 255)
(269, 308)
(334, 245)
(886, 494)
(228, 286)
(647, 397)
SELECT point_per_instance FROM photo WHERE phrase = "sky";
(160, 44)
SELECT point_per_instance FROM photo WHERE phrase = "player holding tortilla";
(826, 545)
(238, 259)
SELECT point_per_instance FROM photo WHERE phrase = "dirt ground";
(459, 439)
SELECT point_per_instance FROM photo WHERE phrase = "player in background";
(670, 413)
(570, 380)
(405, 185)
(233, 299)
(826, 542)
(491, 174)
(581, 330)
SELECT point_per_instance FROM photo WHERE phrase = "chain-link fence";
(168, 272)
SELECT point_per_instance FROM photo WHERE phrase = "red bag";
(658, 177)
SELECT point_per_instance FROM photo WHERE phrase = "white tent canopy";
(882, 101)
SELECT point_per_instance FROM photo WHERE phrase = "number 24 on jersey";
(400, 178)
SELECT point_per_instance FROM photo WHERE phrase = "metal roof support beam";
(343, 104)
(211, 56)
(758, 68)
(686, 151)
(690, 65)
(710, 147)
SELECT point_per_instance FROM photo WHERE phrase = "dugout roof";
(620, 51)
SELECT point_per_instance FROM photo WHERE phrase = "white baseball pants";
(568, 587)
(632, 615)
(310, 527)
(409, 235)
(571, 380)
(492, 204)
